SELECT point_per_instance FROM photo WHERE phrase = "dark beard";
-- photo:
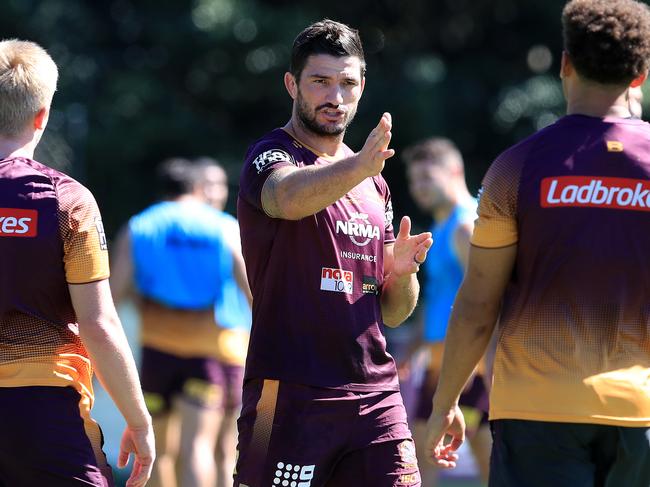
(309, 122)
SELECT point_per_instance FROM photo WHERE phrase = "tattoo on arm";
(269, 195)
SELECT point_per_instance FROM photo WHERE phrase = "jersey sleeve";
(496, 225)
(384, 192)
(260, 162)
(85, 250)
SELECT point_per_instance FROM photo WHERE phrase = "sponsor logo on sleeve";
(479, 195)
(336, 280)
(16, 222)
(359, 229)
(270, 157)
(99, 226)
(291, 475)
(388, 217)
(596, 192)
(370, 285)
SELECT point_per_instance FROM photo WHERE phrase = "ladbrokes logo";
(336, 280)
(591, 191)
(18, 223)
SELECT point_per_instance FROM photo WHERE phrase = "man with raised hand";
(321, 402)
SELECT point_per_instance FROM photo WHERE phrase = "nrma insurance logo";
(358, 228)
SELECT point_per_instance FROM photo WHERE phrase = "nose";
(335, 95)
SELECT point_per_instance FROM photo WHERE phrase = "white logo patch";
(359, 229)
(389, 214)
(103, 243)
(336, 280)
(270, 157)
(289, 475)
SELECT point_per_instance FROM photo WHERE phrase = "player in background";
(233, 316)
(57, 318)
(321, 401)
(177, 257)
(436, 178)
(559, 254)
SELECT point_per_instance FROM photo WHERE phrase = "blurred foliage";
(141, 81)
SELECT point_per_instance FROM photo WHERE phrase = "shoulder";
(381, 185)
(516, 156)
(275, 146)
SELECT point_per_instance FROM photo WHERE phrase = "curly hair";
(608, 41)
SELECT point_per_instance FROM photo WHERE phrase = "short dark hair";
(175, 177)
(437, 150)
(608, 41)
(325, 37)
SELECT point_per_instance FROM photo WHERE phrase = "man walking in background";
(177, 256)
(436, 179)
(321, 402)
(233, 317)
(57, 318)
(559, 254)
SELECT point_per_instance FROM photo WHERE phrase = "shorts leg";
(234, 382)
(631, 466)
(542, 454)
(159, 379)
(45, 440)
(290, 434)
(388, 464)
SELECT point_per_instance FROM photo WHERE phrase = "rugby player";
(559, 254)
(233, 316)
(57, 318)
(177, 256)
(321, 402)
(436, 177)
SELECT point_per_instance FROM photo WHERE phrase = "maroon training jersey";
(51, 235)
(574, 331)
(316, 281)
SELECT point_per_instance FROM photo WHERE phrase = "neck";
(329, 146)
(442, 211)
(186, 197)
(596, 100)
(21, 146)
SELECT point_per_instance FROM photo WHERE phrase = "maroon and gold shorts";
(45, 440)
(298, 436)
(203, 381)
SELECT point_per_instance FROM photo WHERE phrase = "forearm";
(115, 367)
(398, 298)
(293, 193)
(468, 335)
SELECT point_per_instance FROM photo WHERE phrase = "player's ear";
(40, 119)
(639, 80)
(566, 67)
(363, 83)
(291, 84)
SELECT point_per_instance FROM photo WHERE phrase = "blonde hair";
(28, 77)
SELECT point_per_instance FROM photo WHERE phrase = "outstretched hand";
(441, 426)
(409, 251)
(375, 151)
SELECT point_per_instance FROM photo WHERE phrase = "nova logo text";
(336, 280)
